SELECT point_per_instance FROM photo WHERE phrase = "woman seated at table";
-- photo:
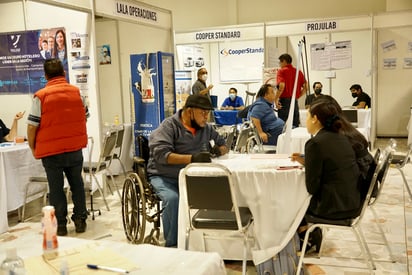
(233, 102)
(7, 134)
(261, 113)
(331, 169)
(359, 144)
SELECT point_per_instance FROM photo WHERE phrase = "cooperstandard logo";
(248, 50)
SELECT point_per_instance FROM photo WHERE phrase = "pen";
(114, 269)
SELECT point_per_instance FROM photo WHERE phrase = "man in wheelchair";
(180, 139)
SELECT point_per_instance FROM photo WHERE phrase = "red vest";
(63, 119)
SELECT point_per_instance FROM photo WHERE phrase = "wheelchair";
(140, 204)
(248, 141)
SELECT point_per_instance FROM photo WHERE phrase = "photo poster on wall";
(22, 55)
(183, 81)
(105, 56)
(146, 94)
(241, 61)
(190, 57)
(80, 61)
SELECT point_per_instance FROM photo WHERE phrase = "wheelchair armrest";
(138, 160)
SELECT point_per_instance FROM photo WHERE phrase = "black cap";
(199, 101)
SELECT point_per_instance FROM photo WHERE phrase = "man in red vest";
(56, 133)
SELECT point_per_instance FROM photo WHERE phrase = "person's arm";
(361, 105)
(313, 166)
(258, 126)
(175, 158)
(31, 136)
(240, 103)
(13, 129)
(206, 91)
(304, 89)
(279, 91)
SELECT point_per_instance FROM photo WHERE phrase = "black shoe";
(61, 230)
(315, 238)
(80, 225)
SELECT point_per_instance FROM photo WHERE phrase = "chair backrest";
(209, 186)
(119, 140)
(144, 151)
(243, 113)
(379, 176)
(109, 143)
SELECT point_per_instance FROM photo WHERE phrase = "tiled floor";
(340, 248)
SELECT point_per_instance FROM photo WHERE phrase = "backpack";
(285, 262)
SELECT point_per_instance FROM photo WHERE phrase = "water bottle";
(116, 120)
(49, 225)
(13, 264)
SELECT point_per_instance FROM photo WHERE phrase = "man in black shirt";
(362, 99)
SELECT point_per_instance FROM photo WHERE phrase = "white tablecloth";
(277, 199)
(17, 165)
(149, 259)
(298, 138)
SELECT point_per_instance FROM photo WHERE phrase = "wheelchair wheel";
(252, 146)
(134, 208)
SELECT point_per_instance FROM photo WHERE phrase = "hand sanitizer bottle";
(13, 264)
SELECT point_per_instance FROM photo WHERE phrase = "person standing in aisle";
(199, 87)
(56, 133)
(285, 79)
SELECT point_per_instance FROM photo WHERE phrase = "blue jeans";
(71, 164)
(168, 191)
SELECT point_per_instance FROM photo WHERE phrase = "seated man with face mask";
(233, 102)
(317, 88)
(179, 140)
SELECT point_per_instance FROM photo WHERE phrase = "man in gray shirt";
(180, 139)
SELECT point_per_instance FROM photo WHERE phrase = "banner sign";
(241, 61)
(22, 55)
(145, 89)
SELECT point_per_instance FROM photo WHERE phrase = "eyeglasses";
(204, 112)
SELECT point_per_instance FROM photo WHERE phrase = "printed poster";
(22, 55)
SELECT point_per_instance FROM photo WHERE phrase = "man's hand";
(201, 157)
(264, 137)
(19, 115)
(215, 151)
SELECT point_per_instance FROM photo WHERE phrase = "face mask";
(194, 124)
(232, 96)
(204, 77)
(318, 91)
(354, 95)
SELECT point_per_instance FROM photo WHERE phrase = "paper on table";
(77, 259)
(269, 156)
